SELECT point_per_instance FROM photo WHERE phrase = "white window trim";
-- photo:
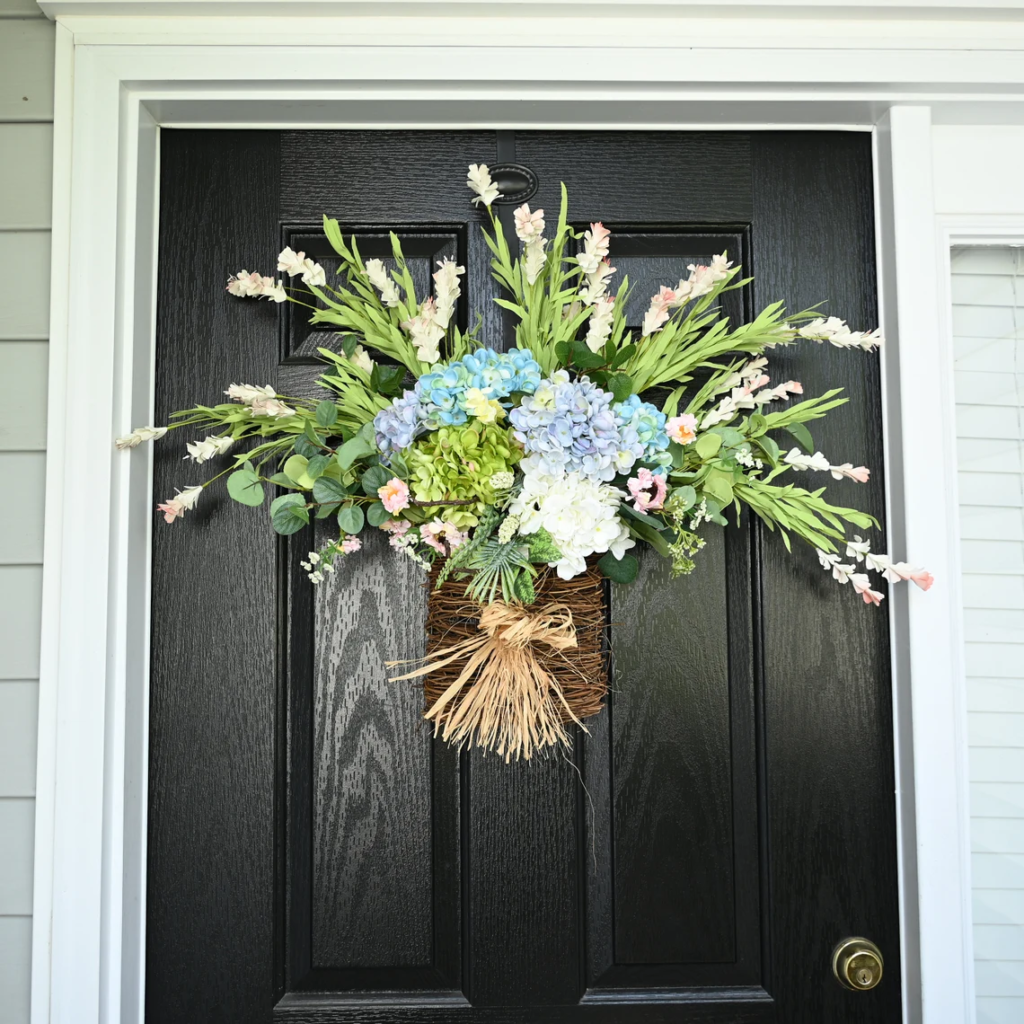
(120, 78)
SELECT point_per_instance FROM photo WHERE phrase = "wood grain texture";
(213, 686)
(372, 863)
(828, 724)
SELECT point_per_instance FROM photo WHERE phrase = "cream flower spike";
(479, 180)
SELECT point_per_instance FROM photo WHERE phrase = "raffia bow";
(511, 704)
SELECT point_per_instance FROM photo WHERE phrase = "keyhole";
(864, 976)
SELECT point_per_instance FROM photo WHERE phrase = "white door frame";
(121, 77)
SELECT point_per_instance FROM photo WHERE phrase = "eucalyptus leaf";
(351, 519)
(619, 570)
(377, 514)
(326, 488)
(707, 445)
(353, 449)
(803, 436)
(288, 514)
(245, 487)
(620, 385)
(373, 479)
(584, 358)
(348, 345)
(317, 465)
(295, 468)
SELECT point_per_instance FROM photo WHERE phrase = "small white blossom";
(479, 180)
(384, 283)
(857, 548)
(836, 332)
(534, 258)
(275, 293)
(597, 283)
(208, 448)
(314, 556)
(595, 248)
(658, 312)
(599, 326)
(508, 529)
(799, 461)
(425, 333)
(703, 279)
(271, 407)
(313, 274)
(291, 262)
(246, 285)
(502, 481)
(247, 393)
(189, 496)
(842, 573)
(529, 226)
(361, 358)
(138, 436)
(447, 291)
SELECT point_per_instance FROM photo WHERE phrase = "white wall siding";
(988, 323)
(26, 159)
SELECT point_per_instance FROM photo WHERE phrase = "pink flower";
(640, 488)
(349, 544)
(682, 429)
(529, 225)
(657, 314)
(858, 473)
(394, 495)
(171, 509)
(397, 527)
(862, 584)
(921, 577)
(432, 532)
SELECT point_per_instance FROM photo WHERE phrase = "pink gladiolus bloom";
(640, 488)
(860, 474)
(394, 495)
(923, 578)
(862, 584)
(172, 510)
(682, 429)
(350, 544)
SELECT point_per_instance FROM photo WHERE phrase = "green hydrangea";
(457, 464)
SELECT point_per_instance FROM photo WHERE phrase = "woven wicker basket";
(581, 672)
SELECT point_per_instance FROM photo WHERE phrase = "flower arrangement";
(506, 472)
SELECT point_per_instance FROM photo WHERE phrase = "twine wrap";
(508, 678)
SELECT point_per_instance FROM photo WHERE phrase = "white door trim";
(118, 79)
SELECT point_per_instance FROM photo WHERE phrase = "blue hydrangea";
(570, 426)
(498, 374)
(399, 424)
(644, 424)
(438, 399)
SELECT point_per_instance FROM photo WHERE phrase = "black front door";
(314, 855)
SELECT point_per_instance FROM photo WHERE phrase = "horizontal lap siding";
(988, 323)
(26, 166)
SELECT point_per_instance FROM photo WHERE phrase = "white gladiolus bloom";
(479, 180)
(138, 435)
(313, 274)
(291, 262)
(529, 226)
(447, 291)
(425, 333)
(247, 393)
(595, 248)
(247, 286)
(597, 283)
(599, 326)
(836, 332)
(361, 358)
(275, 292)
(534, 258)
(383, 282)
(208, 448)
(703, 279)
(189, 496)
(271, 407)
(857, 549)
(799, 461)
(580, 514)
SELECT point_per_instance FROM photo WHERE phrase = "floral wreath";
(491, 469)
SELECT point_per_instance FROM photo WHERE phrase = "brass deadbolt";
(857, 964)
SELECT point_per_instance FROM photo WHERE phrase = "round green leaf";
(326, 413)
(377, 514)
(245, 487)
(288, 514)
(375, 478)
(351, 519)
(619, 570)
(326, 488)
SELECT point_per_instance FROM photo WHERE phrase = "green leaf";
(641, 517)
(621, 386)
(584, 358)
(304, 448)
(623, 356)
(399, 468)
(288, 514)
(541, 547)
(311, 435)
(803, 436)
(281, 480)
(563, 351)
(387, 379)
(326, 413)
(707, 445)
(377, 514)
(718, 485)
(348, 345)
(619, 570)
(731, 437)
(323, 511)
(373, 479)
(317, 465)
(686, 496)
(351, 519)
(245, 487)
(353, 449)
(757, 425)
(295, 468)
(327, 489)
(770, 448)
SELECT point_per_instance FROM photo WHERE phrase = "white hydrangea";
(581, 515)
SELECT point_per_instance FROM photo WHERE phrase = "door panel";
(315, 855)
